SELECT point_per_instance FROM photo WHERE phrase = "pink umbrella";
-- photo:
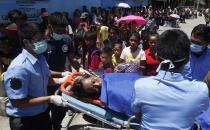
(137, 19)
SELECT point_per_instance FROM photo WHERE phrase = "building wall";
(134, 3)
(33, 9)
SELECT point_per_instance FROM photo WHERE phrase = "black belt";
(45, 113)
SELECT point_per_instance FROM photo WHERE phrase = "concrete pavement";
(186, 27)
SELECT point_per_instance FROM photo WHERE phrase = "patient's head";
(87, 86)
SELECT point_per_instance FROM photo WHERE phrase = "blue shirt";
(198, 67)
(26, 76)
(168, 101)
(58, 52)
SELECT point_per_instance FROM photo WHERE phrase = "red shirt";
(103, 69)
(12, 33)
(152, 63)
(92, 60)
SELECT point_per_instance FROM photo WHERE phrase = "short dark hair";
(107, 43)
(119, 42)
(153, 33)
(136, 34)
(57, 19)
(91, 35)
(202, 31)
(43, 10)
(122, 22)
(107, 50)
(27, 31)
(173, 45)
(15, 15)
(112, 29)
(78, 89)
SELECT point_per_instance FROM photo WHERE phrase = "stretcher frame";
(126, 123)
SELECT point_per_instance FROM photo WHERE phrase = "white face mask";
(57, 37)
(196, 48)
(40, 47)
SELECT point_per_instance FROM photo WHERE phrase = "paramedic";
(26, 83)
(199, 64)
(60, 50)
(170, 101)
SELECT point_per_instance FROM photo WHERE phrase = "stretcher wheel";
(69, 81)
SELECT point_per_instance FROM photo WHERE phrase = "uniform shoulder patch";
(15, 83)
(65, 48)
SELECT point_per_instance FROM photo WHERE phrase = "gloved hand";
(58, 101)
(62, 80)
(65, 73)
(84, 71)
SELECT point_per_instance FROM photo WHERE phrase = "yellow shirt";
(114, 61)
(135, 56)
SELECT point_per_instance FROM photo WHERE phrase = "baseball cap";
(84, 15)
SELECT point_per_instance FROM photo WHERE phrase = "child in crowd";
(134, 53)
(123, 32)
(145, 37)
(152, 62)
(117, 52)
(106, 61)
(106, 43)
(112, 36)
(92, 53)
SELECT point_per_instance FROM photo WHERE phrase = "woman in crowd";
(152, 62)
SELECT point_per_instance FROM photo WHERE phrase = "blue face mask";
(40, 47)
(196, 48)
(56, 36)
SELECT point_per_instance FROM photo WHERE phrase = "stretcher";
(95, 109)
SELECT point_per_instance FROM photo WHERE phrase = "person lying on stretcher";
(114, 90)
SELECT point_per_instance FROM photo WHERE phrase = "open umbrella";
(176, 16)
(123, 5)
(139, 21)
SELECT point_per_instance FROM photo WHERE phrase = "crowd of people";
(38, 57)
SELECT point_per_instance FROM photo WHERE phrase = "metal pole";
(198, 2)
